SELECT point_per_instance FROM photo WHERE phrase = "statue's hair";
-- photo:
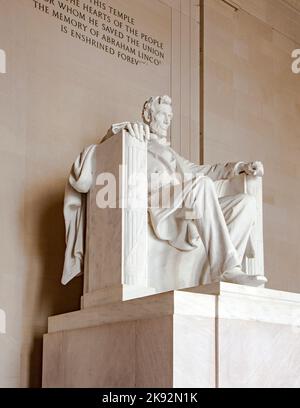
(151, 104)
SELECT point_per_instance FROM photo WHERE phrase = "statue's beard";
(158, 130)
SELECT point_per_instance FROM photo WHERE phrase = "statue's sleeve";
(215, 172)
(220, 171)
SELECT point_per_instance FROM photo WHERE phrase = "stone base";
(220, 335)
(114, 294)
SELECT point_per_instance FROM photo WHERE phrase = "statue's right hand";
(139, 131)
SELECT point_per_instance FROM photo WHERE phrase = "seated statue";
(175, 186)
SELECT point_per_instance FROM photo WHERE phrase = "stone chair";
(123, 257)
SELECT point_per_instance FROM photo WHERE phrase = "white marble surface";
(137, 309)
(2, 322)
(257, 354)
(193, 352)
(247, 303)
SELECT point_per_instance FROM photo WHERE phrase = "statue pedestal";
(219, 335)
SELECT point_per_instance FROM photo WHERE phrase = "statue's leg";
(212, 227)
(239, 213)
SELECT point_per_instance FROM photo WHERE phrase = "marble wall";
(59, 95)
(251, 112)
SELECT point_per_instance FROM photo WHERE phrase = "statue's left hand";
(255, 169)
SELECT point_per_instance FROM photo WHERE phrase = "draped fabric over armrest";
(78, 185)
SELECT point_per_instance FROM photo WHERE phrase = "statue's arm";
(222, 171)
(225, 171)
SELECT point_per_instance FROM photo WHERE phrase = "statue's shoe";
(237, 276)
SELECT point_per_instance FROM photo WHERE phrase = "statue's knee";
(202, 185)
(207, 181)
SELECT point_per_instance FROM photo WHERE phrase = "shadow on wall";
(44, 294)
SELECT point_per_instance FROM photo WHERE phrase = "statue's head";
(158, 114)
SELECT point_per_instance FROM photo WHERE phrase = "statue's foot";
(237, 276)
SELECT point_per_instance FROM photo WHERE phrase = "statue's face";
(161, 120)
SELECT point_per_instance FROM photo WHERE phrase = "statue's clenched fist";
(255, 168)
